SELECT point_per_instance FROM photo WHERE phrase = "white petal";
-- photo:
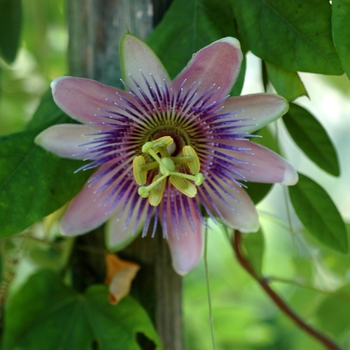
(256, 110)
(66, 140)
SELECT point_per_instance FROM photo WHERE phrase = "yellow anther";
(183, 185)
(194, 164)
(140, 174)
(156, 145)
(156, 193)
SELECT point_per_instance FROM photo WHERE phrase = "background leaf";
(281, 32)
(33, 182)
(287, 83)
(318, 214)
(48, 315)
(312, 138)
(187, 27)
(10, 28)
(336, 305)
(257, 191)
(341, 31)
(47, 113)
(255, 246)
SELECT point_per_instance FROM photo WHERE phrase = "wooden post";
(95, 29)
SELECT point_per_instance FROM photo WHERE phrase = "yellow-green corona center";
(158, 150)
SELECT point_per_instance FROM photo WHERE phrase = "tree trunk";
(95, 29)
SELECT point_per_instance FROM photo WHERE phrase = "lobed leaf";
(48, 315)
(187, 27)
(312, 138)
(282, 33)
(10, 28)
(286, 82)
(318, 214)
(341, 31)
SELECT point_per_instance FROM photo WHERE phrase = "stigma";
(158, 157)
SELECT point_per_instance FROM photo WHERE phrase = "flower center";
(158, 150)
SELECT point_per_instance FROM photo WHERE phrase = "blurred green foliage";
(41, 57)
(314, 279)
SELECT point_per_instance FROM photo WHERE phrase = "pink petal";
(184, 238)
(66, 140)
(256, 110)
(121, 229)
(239, 213)
(217, 63)
(87, 211)
(136, 57)
(263, 165)
(85, 99)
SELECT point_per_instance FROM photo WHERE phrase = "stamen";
(167, 168)
(139, 174)
(194, 164)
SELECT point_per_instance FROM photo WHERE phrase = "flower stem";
(281, 304)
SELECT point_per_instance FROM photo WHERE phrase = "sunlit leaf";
(33, 182)
(341, 31)
(255, 246)
(312, 138)
(187, 27)
(334, 311)
(337, 263)
(10, 28)
(48, 315)
(286, 82)
(318, 214)
(282, 32)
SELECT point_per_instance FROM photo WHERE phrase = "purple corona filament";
(186, 116)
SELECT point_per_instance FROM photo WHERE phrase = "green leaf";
(282, 33)
(48, 315)
(33, 182)
(187, 27)
(254, 244)
(257, 191)
(318, 214)
(341, 31)
(334, 311)
(286, 82)
(10, 28)
(46, 113)
(264, 76)
(312, 138)
(267, 139)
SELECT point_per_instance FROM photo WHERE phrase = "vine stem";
(208, 286)
(263, 282)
